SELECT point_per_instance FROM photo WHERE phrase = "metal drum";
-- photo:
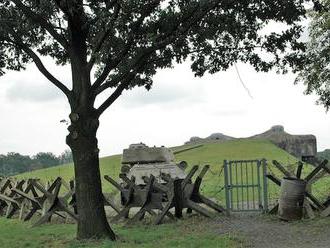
(291, 199)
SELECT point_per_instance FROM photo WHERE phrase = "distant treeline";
(325, 154)
(15, 163)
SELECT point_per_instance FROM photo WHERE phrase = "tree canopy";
(316, 72)
(123, 43)
(127, 41)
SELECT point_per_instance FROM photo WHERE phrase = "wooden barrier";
(162, 197)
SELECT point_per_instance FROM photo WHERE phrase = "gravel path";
(269, 232)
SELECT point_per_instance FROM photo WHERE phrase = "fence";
(246, 185)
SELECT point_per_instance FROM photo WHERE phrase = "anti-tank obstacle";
(150, 181)
(9, 198)
(53, 202)
(30, 197)
(175, 193)
(310, 203)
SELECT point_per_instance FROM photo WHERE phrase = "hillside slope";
(212, 154)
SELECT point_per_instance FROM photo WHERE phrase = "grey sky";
(32, 91)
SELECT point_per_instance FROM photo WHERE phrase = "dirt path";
(268, 232)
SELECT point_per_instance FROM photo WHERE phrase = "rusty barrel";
(291, 199)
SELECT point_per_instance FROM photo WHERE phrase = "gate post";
(225, 167)
(265, 185)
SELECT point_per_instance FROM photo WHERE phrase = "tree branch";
(18, 43)
(110, 64)
(131, 71)
(102, 37)
(40, 20)
(113, 97)
(46, 73)
(140, 60)
(125, 79)
(60, 5)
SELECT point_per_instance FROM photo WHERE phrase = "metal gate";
(246, 185)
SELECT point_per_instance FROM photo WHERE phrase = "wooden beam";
(281, 168)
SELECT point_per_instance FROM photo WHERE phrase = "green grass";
(188, 233)
(108, 165)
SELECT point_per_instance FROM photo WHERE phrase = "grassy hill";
(213, 154)
(191, 232)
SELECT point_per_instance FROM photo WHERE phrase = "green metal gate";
(246, 185)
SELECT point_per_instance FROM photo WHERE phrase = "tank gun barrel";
(186, 149)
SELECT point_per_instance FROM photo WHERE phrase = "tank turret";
(140, 160)
(143, 154)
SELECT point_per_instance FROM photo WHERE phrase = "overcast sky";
(178, 106)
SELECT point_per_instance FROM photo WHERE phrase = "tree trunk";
(92, 222)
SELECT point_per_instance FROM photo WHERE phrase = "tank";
(140, 160)
(142, 184)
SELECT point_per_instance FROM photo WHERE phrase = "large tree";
(124, 42)
(315, 72)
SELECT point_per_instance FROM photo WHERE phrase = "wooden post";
(178, 197)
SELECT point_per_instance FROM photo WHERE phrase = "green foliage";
(188, 233)
(316, 71)
(15, 163)
(46, 159)
(324, 154)
(65, 157)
